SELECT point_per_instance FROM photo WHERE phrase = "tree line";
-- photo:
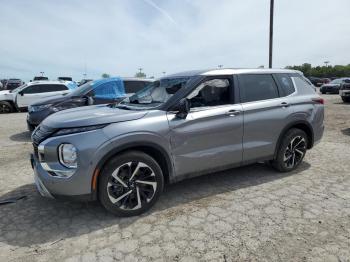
(323, 71)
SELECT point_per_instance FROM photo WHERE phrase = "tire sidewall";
(114, 163)
(8, 105)
(279, 163)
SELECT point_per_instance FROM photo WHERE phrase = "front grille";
(41, 133)
(346, 87)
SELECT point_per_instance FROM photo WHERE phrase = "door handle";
(285, 104)
(233, 112)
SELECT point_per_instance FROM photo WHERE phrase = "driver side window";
(214, 92)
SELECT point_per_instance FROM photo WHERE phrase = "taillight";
(318, 100)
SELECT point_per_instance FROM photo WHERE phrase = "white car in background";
(20, 98)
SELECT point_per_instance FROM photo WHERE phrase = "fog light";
(68, 155)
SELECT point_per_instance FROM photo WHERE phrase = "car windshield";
(82, 90)
(156, 93)
(18, 88)
(336, 81)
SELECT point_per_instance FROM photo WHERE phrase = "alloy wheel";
(295, 152)
(131, 185)
(4, 109)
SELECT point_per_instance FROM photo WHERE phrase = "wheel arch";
(11, 103)
(302, 125)
(155, 151)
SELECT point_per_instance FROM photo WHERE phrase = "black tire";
(5, 107)
(123, 166)
(323, 93)
(289, 158)
(345, 99)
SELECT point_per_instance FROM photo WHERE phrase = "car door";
(35, 93)
(266, 112)
(210, 137)
(27, 95)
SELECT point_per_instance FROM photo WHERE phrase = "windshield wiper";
(121, 106)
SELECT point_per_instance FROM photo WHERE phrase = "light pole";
(164, 73)
(326, 63)
(271, 33)
(42, 73)
(220, 66)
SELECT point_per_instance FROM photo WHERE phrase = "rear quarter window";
(302, 85)
(134, 86)
(285, 83)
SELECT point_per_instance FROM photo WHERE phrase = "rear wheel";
(5, 107)
(291, 151)
(130, 184)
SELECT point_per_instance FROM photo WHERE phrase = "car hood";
(331, 85)
(54, 99)
(91, 115)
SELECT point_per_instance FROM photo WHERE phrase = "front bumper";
(344, 93)
(47, 185)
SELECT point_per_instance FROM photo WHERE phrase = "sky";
(71, 37)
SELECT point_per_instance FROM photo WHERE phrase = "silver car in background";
(180, 126)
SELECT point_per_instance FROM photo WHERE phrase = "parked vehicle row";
(103, 91)
(333, 87)
(316, 81)
(344, 91)
(21, 97)
(179, 126)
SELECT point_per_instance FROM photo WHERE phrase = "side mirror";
(21, 93)
(183, 108)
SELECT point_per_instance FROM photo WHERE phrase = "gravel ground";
(245, 214)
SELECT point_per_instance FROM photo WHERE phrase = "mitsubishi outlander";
(179, 126)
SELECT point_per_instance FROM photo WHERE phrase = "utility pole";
(42, 73)
(220, 66)
(271, 33)
(326, 63)
(140, 69)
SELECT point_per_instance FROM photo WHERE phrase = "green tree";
(105, 75)
(323, 71)
(140, 74)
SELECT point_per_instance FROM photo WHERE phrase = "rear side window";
(134, 86)
(34, 89)
(286, 84)
(303, 85)
(53, 88)
(257, 87)
(109, 90)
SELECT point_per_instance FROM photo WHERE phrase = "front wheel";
(5, 107)
(291, 151)
(130, 184)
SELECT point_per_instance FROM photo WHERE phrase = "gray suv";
(180, 126)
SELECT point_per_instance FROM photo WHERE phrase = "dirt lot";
(250, 213)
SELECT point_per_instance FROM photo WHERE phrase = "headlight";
(68, 155)
(38, 108)
(73, 130)
(58, 108)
